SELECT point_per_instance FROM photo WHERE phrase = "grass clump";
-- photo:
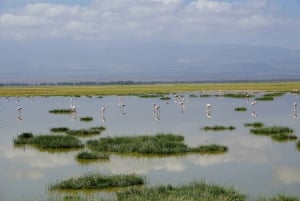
(86, 119)
(240, 109)
(165, 98)
(61, 111)
(191, 192)
(98, 181)
(86, 132)
(275, 132)
(238, 95)
(218, 128)
(49, 141)
(265, 98)
(209, 149)
(59, 129)
(158, 144)
(92, 155)
(254, 124)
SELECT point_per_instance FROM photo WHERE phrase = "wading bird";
(19, 113)
(103, 112)
(156, 111)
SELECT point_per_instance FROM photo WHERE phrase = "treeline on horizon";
(130, 82)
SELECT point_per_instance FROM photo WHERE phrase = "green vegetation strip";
(59, 130)
(196, 191)
(254, 124)
(98, 181)
(86, 132)
(86, 119)
(240, 109)
(191, 192)
(60, 111)
(48, 141)
(145, 89)
(145, 144)
(218, 128)
(92, 155)
(275, 132)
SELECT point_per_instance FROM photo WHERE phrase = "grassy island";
(48, 141)
(275, 132)
(98, 181)
(146, 144)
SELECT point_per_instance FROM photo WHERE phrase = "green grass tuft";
(254, 124)
(158, 144)
(276, 133)
(86, 119)
(91, 155)
(86, 132)
(218, 128)
(61, 111)
(59, 130)
(191, 192)
(49, 141)
(98, 181)
(240, 109)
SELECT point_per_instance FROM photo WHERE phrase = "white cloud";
(155, 19)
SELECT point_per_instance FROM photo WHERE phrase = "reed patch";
(146, 144)
(277, 133)
(98, 181)
(218, 128)
(48, 141)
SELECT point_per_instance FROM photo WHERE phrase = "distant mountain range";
(144, 61)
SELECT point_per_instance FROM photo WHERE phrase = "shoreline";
(138, 89)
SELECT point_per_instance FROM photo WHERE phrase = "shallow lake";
(255, 165)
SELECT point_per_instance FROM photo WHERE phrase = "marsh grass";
(277, 133)
(265, 98)
(254, 124)
(92, 155)
(298, 145)
(60, 111)
(98, 181)
(86, 119)
(190, 192)
(240, 109)
(145, 144)
(150, 96)
(218, 128)
(238, 95)
(49, 141)
(145, 89)
(86, 132)
(59, 130)
(165, 98)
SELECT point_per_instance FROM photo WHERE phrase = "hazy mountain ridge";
(143, 61)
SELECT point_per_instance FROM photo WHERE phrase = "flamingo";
(103, 111)
(253, 103)
(19, 109)
(121, 103)
(156, 110)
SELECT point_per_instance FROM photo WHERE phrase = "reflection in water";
(248, 156)
(288, 174)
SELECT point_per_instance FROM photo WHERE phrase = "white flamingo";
(103, 112)
(156, 111)
(19, 110)
(208, 113)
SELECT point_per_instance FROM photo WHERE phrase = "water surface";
(255, 165)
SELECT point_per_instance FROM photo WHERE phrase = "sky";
(91, 23)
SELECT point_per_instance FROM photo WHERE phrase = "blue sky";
(259, 22)
(33, 31)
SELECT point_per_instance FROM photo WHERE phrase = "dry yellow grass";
(145, 89)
